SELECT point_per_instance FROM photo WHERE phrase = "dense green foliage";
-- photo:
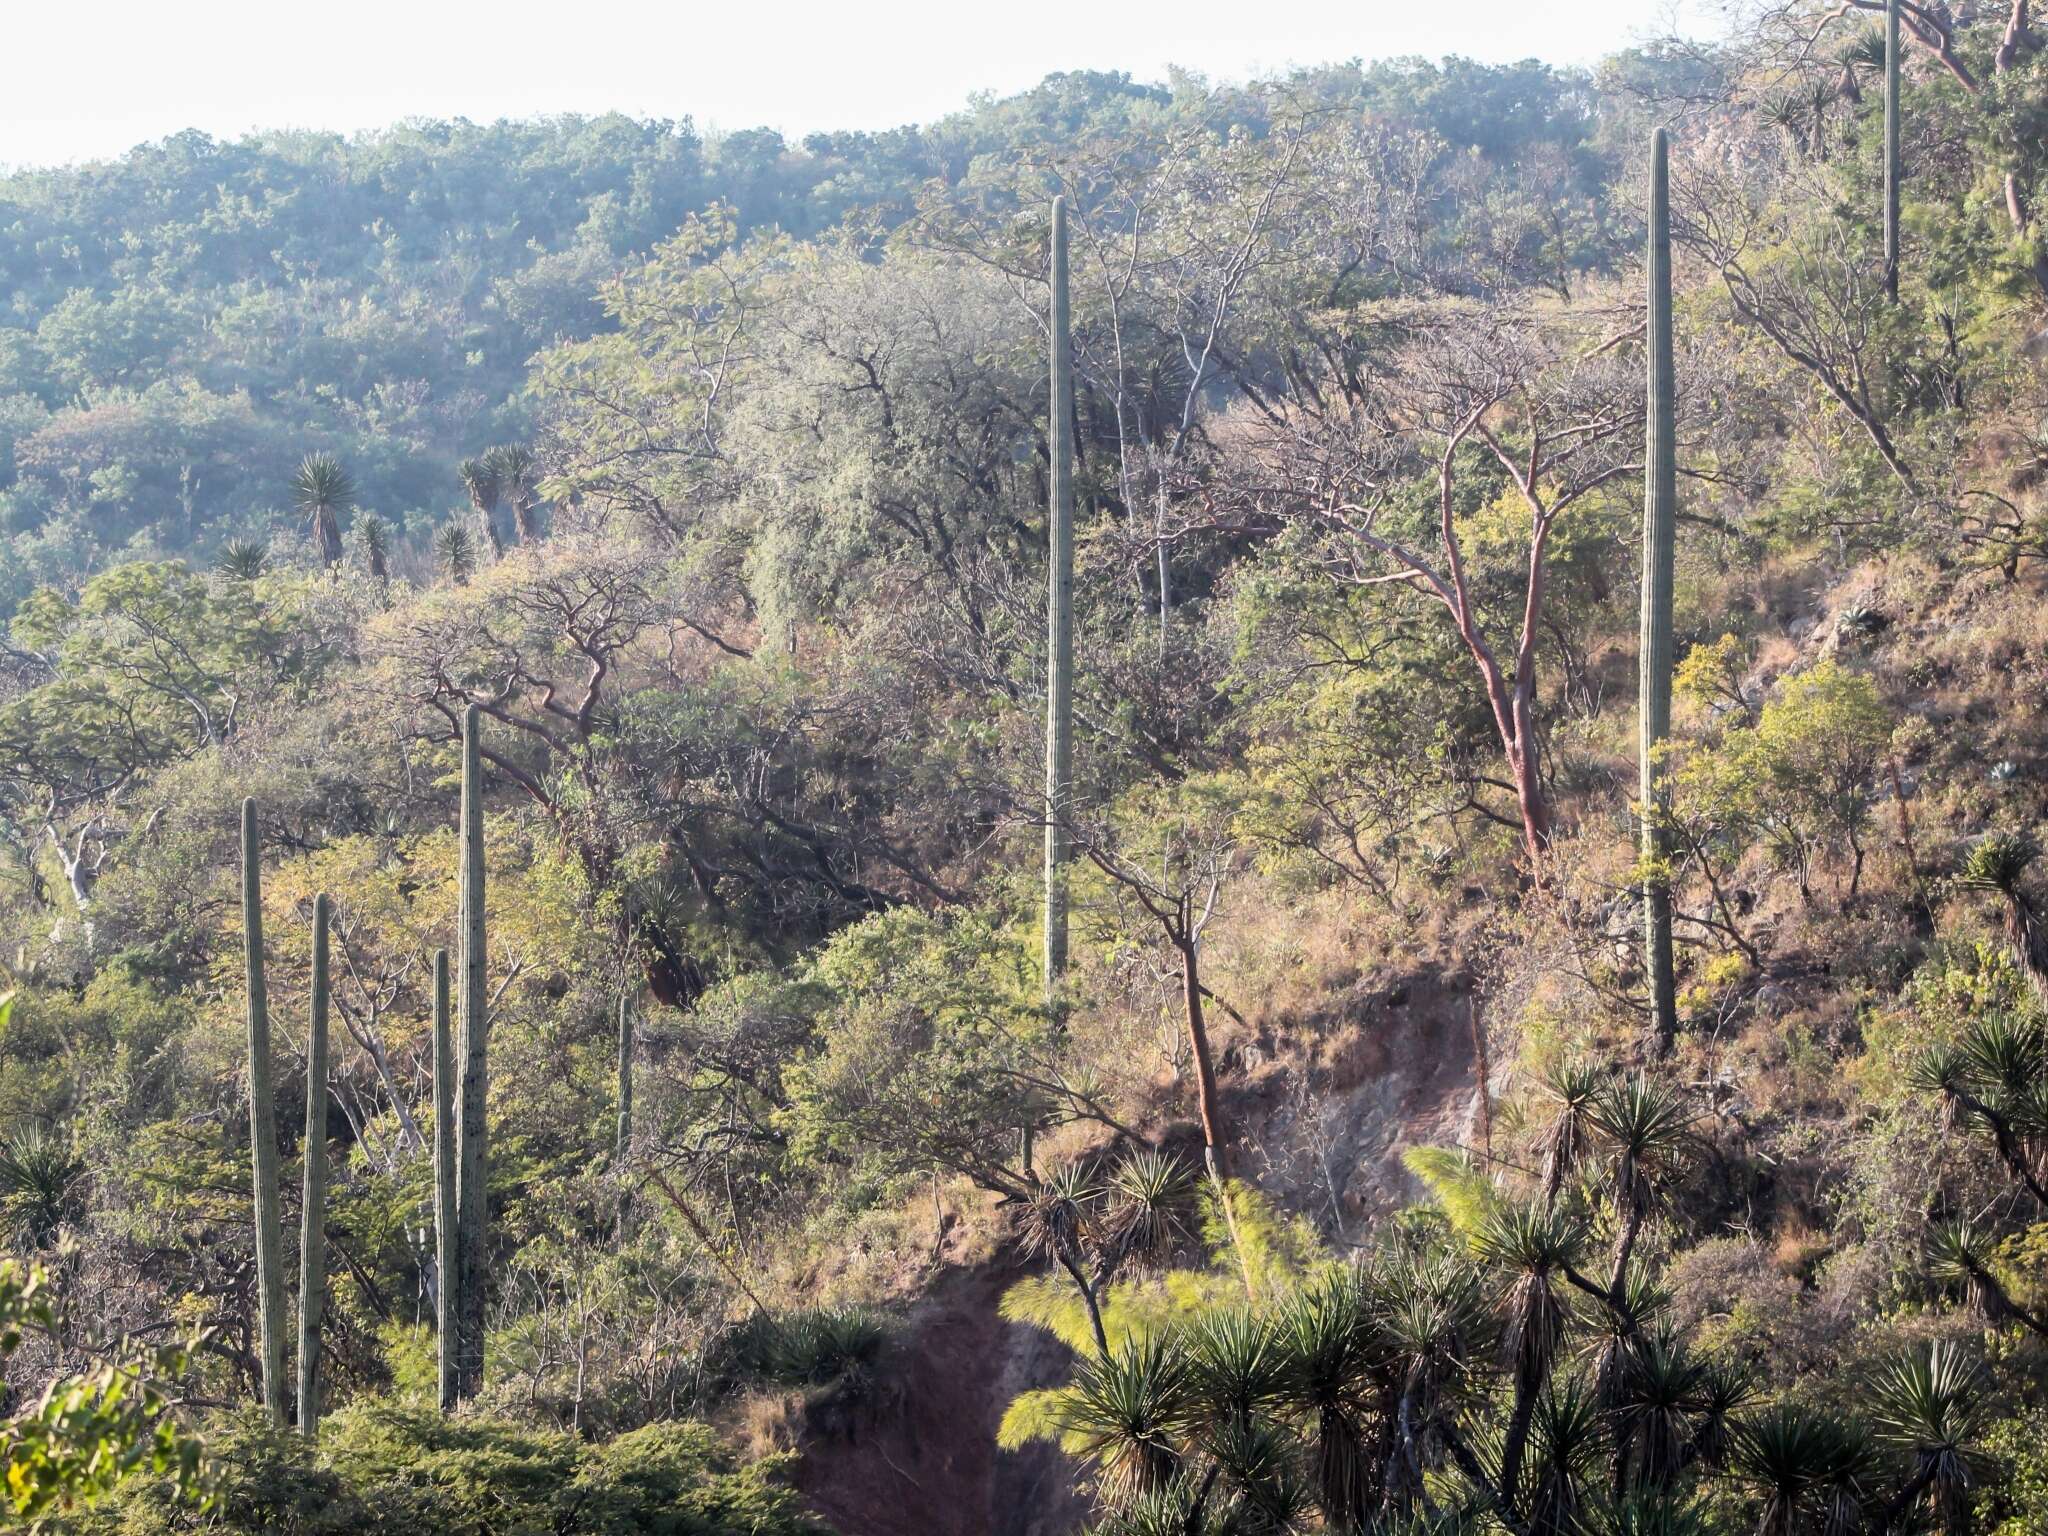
(710, 482)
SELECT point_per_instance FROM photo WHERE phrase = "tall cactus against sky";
(272, 1319)
(1059, 682)
(1891, 149)
(470, 1181)
(1660, 533)
(313, 1196)
(445, 1261)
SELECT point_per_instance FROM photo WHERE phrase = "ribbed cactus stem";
(1059, 690)
(272, 1318)
(470, 1183)
(1660, 534)
(445, 1261)
(1892, 167)
(625, 1129)
(313, 1190)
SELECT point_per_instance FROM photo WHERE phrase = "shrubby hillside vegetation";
(613, 563)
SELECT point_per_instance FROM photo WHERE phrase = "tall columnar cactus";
(272, 1317)
(313, 1196)
(1891, 149)
(445, 1261)
(470, 1179)
(625, 1129)
(1059, 690)
(1660, 532)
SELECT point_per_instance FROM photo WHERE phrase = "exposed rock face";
(928, 1464)
(1329, 1101)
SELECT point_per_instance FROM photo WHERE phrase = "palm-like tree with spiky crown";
(1535, 1246)
(322, 491)
(1929, 1404)
(1998, 864)
(455, 551)
(518, 472)
(374, 537)
(486, 489)
(1813, 1471)
(243, 559)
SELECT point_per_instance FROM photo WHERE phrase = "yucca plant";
(1240, 1366)
(518, 475)
(1130, 1413)
(455, 553)
(1147, 1195)
(1651, 1514)
(1995, 1078)
(1626, 1315)
(1927, 1403)
(1568, 1446)
(1725, 1390)
(322, 491)
(243, 559)
(837, 1346)
(1533, 1246)
(1330, 1337)
(1999, 864)
(1179, 1507)
(1641, 1124)
(480, 478)
(1660, 1392)
(1262, 1489)
(1053, 1222)
(1437, 1322)
(373, 535)
(39, 1178)
(1960, 1253)
(1573, 1088)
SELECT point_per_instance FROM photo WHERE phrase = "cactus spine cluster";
(263, 1127)
(1891, 149)
(1059, 691)
(313, 1191)
(470, 1181)
(1660, 532)
(445, 1263)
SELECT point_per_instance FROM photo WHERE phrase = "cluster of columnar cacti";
(1891, 148)
(470, 1180)
(313, 1194)
(459, 1142)
(272, 1319)
(1059, 690)
(1660, 532)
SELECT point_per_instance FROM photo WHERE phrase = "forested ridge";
(1306, 806)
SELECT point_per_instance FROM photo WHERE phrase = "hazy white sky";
(90, 79)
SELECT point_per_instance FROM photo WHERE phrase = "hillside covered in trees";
(1301, 807)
